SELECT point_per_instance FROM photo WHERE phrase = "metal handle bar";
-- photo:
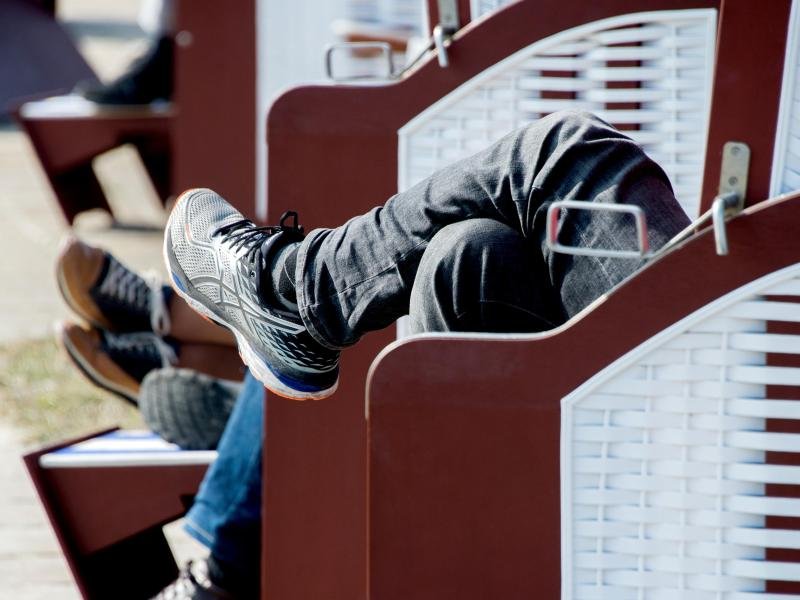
(384, 47)
(552, 229)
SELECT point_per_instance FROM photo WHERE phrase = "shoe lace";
(141, 345)
(182, 587)
(123, 286)
(159, 314)
(244, 234)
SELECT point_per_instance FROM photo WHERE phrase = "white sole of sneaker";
(258, 366)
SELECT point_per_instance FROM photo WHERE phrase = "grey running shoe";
(216, 259)
(193, 583)
(187, 408)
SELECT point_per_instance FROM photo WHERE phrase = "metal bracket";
(552, 230)
(732, 190)
(448, 15)
(385, 50)
(448, 25)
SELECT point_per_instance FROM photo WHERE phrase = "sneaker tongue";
(264, 272)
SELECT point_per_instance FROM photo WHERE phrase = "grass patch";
(50, 400)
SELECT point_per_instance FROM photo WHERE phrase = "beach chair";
(350, 138)
(179, 144)
(649, 447)
(359, 143)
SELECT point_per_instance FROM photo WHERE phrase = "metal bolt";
(735, 150)
(733, 180)
(184, 39)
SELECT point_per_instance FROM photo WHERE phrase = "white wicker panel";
(478, 8)
(666, 97)
(395, 14)
(786, 162)
(663, 459)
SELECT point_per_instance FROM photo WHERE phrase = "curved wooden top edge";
(686, 278)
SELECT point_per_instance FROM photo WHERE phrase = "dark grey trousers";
(465, 250)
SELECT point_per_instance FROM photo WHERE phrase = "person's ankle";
(282, 273)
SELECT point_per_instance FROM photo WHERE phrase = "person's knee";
(570, 121)
(464, 243)
(452, 270)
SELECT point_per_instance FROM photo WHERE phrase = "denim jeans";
(463, 250)
(226, 514)
(360, 276)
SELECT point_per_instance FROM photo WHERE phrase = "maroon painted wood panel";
(108, 521)
(205, 139)
(465, 434)
(214, 135)
(747, 83)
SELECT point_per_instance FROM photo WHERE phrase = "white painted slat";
(758, 440)
(765, 375)
(766, 342)
(763, 473)
(764, 505)
(770, 409)
(768, 311)
(764, 570)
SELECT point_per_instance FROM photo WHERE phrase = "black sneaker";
(148, 79)
(115, 362)
(107, 294)
(193, 583)
(186, 407)
(216, 258)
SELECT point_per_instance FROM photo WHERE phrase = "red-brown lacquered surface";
(747, 84)
(66, 147)
(207, 138)
(464, 435)
(332, 154)
(107, 521)
(214, 136)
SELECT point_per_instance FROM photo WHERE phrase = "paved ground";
(31, 565)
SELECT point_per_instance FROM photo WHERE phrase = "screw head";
(184, 39)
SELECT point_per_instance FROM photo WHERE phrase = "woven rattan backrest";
(647, 73)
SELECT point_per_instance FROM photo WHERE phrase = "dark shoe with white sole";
(115, 362)
(193, 583)
(107, 294)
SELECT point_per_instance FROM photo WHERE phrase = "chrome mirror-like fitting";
(383, 48)
(448, 25)
(732, 191)
(640, 220)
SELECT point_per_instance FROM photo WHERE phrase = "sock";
(282, 271)
(226, 576)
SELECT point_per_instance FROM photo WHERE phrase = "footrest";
(107, 497)
(124, 448)
(68, 132)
